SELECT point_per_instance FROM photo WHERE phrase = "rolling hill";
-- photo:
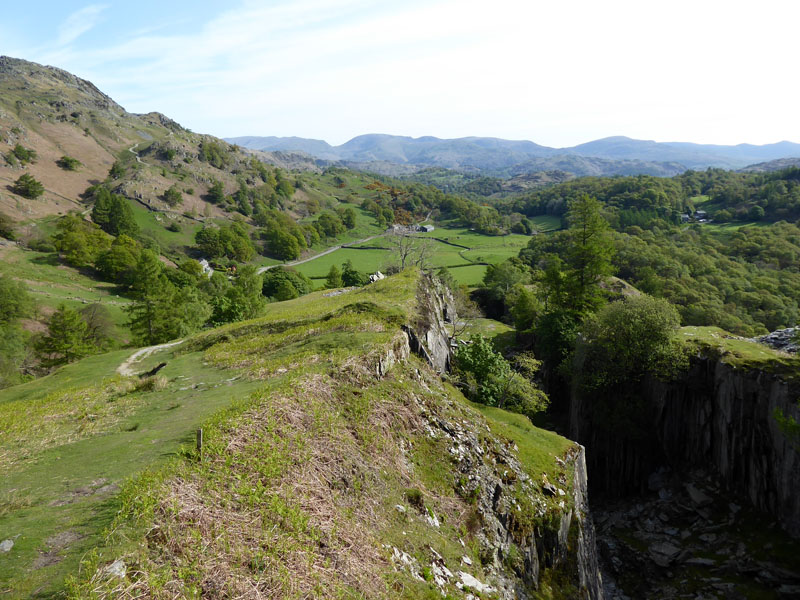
(493, 156)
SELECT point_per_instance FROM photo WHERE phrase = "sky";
(557, 72)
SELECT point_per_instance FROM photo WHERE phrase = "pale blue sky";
(555, 72)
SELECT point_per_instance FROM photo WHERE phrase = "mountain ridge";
(493, 155)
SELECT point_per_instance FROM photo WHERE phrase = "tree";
(589, 253)
(351, 277)
(118, 263)
(28, 187)
(113, 213)
(150, 316)
(283, 245)
(626, 340)
(25, 155)
(348, 216)
(489, 378)
(409, 250)
(207, 240)
(78, 241)
(15, 301)
(499, 280)
(69, 163)
(285, 291)
(117, 171)
(241, 301)
(173, 196)
(14, 352)
(99, 324)
(279, 281)
(756, 213)
(67, 338)
(216, 193)
(7, 227)
(334, 278)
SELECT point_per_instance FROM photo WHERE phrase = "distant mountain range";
(772, 165)
(493, 156)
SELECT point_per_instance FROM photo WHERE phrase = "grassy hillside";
(312, 440)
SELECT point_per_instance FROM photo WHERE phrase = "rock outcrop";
(527, 527)
(428, 333)
(515, 550)
(718, 417)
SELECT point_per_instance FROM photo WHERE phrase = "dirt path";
(126, 368)
(133, 151)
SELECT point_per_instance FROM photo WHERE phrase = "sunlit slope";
(317, 423)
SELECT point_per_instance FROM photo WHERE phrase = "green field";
(52, 283)
(547, 222)
(153, 225)
(464, 252)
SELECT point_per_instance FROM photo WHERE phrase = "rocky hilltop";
(55, 114)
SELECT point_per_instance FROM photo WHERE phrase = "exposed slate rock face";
(490, 473)
(493, 476)
(717, 417)
(428, 334)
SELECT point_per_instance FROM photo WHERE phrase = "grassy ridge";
(281, 398)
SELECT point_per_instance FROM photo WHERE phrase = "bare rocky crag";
(697, 500)
(718, 417)
(567, 545)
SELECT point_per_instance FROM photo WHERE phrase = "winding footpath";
(133, 151)
(126, 368)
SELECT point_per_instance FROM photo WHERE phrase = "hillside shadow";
(50, 260)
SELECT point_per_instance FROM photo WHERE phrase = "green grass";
(469, 275)
(501, 335)
(57, 485)
(467, 263)
(546, 222)
(741, 352)
(367, 261)
(269, 393)
(538, 448)
(153, 225)
(52, 283)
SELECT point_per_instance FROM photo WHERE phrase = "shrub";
(28, 187)
(173, 196)
(414, 498)
(69, 163)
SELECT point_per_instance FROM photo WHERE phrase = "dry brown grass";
(329, 488)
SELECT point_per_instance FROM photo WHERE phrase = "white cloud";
(79, 23)
(556, 72)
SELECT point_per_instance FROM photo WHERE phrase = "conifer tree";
(590, 252)
(334, 279)
(67, 339)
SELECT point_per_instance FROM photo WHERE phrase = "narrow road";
(335, 248)
(328, 251)
(126, 368)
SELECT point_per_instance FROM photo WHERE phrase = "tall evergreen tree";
(589, 254)
(334, 279)
(150, 315)
(67, 338)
